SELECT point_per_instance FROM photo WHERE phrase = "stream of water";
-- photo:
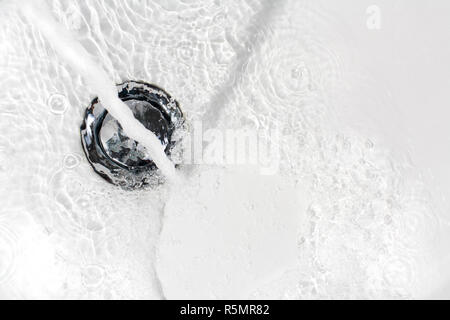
(98, 81)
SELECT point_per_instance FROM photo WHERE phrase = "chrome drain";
(119, 159)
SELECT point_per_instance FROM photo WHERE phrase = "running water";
(343, 218)
(79, 59)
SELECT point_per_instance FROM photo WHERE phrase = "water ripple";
(8, 250)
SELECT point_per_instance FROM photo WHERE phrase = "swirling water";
(342, 218)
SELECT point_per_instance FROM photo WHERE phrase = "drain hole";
(113, 155)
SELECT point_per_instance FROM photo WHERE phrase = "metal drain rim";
(128, 177)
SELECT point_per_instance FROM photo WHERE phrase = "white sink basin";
(353, 203)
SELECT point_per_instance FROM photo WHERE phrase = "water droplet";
(93, 276)
(58, 103)
(71, 161)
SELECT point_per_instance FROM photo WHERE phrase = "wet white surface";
(357, 209)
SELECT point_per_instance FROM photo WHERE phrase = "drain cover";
(116, 157)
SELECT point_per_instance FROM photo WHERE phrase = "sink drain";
(116, 157)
